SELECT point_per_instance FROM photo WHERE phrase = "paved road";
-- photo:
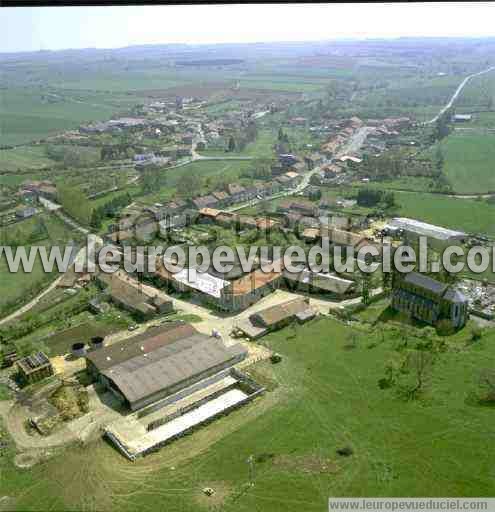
(355, 141)
(457, 92)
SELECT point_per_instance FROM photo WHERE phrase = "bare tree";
(419, 364)
(486, 385)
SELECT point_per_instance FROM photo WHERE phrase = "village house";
(208, 215)
(298, 167)
(294, 178)
(312, 192)
(310, 234)
(222, 197)
(284, 181)
(25, 213)
(177, 221)
(208, 201)
(249, 289)
(177, 205)
(127, 293)
(266, 224)
(43, 188)
(313, 160)
(287, 160)
(295, 206)
(341, 238)
(237, 193)
(232, 291)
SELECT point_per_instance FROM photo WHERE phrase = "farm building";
(233, 291)
(462, 118)
(323, 283)
(146, 430)
(128, 294)
(275, 317)
(208, 201)
(429, 300)
(34, 368)
(160, 363)
(294, 206)
(25, 213)
(411, 229)
(342, 238)
(249, 289)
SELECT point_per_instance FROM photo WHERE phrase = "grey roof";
(426, 282)
(148, 341)
(275, 314)
(328, 282)
(170, 365)
(455, 295)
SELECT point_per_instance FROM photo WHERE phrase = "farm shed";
(34, 368)
(160, 362)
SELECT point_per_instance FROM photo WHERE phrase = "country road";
(457, 92)
(80, 257)
(355, 141)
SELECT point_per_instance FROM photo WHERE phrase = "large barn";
(160, 363)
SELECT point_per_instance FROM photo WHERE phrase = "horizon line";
(247, 43)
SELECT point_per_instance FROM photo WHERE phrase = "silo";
(78, 349)
(97, 342)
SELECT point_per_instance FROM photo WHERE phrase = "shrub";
(476, 333)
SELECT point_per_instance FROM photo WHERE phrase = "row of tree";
(109, 210)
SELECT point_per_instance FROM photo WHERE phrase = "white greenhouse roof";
(424, 229)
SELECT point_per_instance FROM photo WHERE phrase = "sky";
(55, 28)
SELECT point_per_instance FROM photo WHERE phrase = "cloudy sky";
(53, 28)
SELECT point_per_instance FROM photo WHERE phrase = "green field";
(470, 162)
(327, 398)
(472, 216)
(24, 157)
(17, 288)
(479, 94)
(26, 116)
(262, 147)
(212, 171)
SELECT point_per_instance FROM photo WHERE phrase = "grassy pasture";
(24, 157)
(210, 170)
(473, 216)
(17, 287)
(478, 93)
(470, 162)
(27, 116)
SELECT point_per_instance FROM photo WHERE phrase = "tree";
(369, 196)
(365, 287)
(231, 145)
(75, 203)
(486, 386)
(386, 280)
(389, 200)
(315, 180)
(151, 179)
(416, 374)
(439, 158)
(189, 184)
